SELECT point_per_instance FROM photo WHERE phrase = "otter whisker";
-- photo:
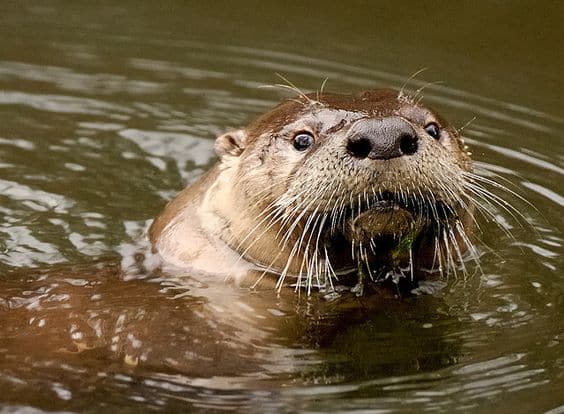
(450, 259)
(401, 94)
(320, 91)
(474, 178)
(294, 88)
(268, 217)
(273, 221)
(293, 218)
(283, 273)
(244, 254)
(463, 127)
(330, 201)
(425, 86)
(321, 220)
(295, 248)
(437, 256)
(280, 210)
(321, 225)
(341, 212)
(285, 88)
(469, 245)
(483, 207)
(330, 270)
(514, 193)
(306, 261)
(418, 100)
(305, 257)
(455, 246)
(368, 268)
(298, 219)
(411, 271)
(334, 214)
(372, 245)
(266, 212)
(489, 196)
(299, 242)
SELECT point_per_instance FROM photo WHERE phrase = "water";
(106, 111)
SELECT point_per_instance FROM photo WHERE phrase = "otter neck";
(251, 229)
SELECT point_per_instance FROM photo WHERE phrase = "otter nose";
(382, 139)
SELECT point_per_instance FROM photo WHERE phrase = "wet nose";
(382, 139)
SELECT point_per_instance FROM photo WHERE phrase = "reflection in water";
(75, 331)
(106, 113)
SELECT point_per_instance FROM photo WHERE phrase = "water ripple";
(64, 104)
(68, 80)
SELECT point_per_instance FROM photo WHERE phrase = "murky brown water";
(106, 111)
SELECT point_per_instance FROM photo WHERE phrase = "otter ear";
(231, 143)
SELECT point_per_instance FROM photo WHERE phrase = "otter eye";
(433, 130)
(303, 141)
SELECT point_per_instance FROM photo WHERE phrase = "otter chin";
(326, 187)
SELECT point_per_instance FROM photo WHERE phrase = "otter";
(318, 190)
(326, 187)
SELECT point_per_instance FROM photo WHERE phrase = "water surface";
(106, 111)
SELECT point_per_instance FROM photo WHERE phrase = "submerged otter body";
(322, 187)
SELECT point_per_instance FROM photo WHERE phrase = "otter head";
(333, 181)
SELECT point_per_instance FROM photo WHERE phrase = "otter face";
(371, 167)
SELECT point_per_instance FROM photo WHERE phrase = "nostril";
(408, 144)
(359, 147)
